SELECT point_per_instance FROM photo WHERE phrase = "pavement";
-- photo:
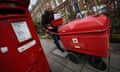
(60, 63)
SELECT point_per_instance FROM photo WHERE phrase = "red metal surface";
(24, 3)
(57, 22)
(30, 60)
(88, 36)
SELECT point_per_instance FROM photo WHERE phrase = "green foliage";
(115, 25)
(39, 28)
(115, 30)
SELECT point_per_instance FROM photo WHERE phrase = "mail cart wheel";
(97, 63)
(73, 57)
(50, 70)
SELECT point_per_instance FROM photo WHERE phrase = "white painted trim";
(4, 49)
(26, 46)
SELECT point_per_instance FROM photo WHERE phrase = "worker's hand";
(46, 30)
(50, 27)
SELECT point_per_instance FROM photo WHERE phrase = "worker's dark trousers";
(56, 41)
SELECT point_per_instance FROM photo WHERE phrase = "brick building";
(67, 8)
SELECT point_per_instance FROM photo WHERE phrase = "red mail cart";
(88, 36)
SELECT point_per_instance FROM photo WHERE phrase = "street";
(61, 64)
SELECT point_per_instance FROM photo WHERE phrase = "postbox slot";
(11, 11)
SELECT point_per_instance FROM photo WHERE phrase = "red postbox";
(23, 3)
(20, 48)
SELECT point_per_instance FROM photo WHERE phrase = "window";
(74, 1)
(58, 2)
(53, 4)
(64, 0)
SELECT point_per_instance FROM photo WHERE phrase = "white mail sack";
(57, 16)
